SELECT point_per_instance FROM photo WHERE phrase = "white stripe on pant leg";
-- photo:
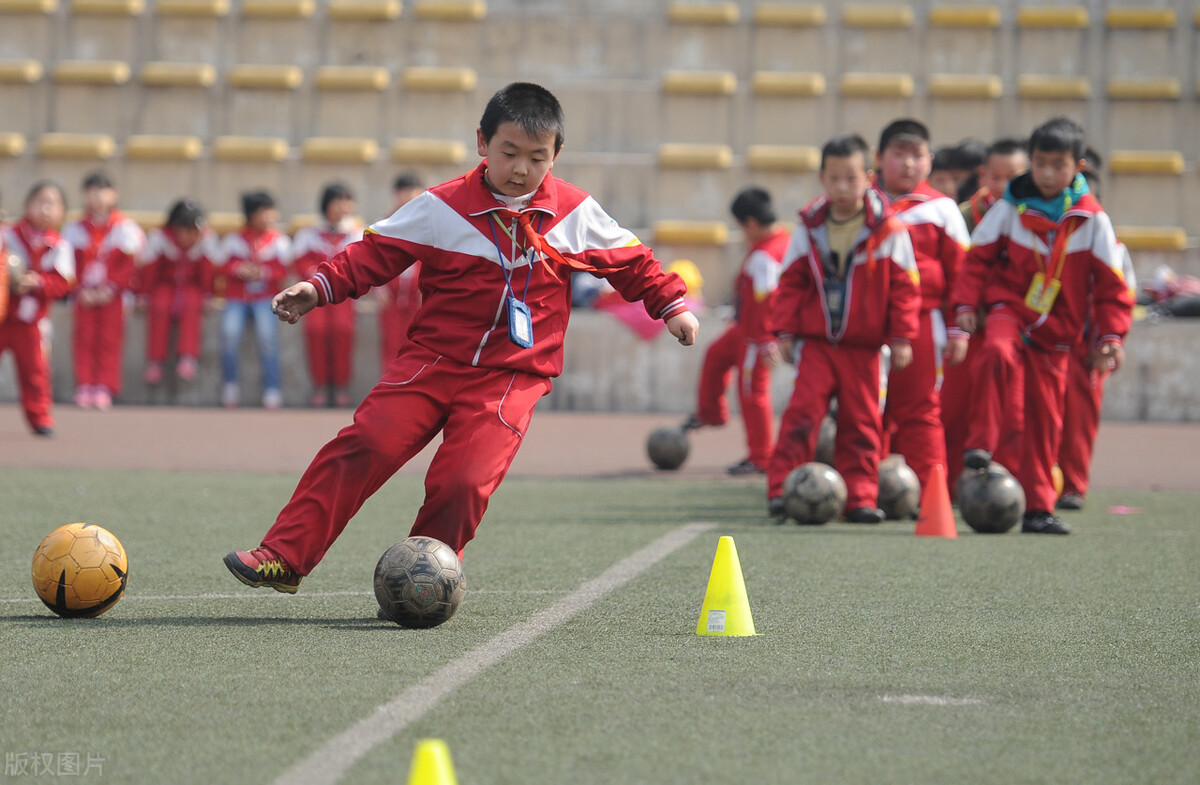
(330, 762)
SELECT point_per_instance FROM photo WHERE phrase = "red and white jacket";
(105, 252)
(315, 244)
(268, 253)
(467, 261)
(47, 254)
(755, 286)
(940, 241)
(881, 297)
(1011, 246)
(164, 264)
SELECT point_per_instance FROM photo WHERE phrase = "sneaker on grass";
(263, 567)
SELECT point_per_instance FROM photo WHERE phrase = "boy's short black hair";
(1094, 159)
(1092, 176)
(969, 154)
(186, 214)
(533, 108)
(253, 201)
(407, 180)
(845, 146)
(753, 202)
(42, 185)
(332, 193)
(943, 160)
(899, 129)
(97, 180)
(1060, 135)
(1008, 145)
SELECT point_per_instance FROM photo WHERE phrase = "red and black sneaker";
(263, 567)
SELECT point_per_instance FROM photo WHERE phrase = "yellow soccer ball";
(80, 569)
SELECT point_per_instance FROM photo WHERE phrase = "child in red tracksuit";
(41, 269)
(329, 332)
(497, 247)
(106, 246)
(748, 345)
(912, 419)
(849, 286)
(175, 275)
(399, 298)
(1042, 257)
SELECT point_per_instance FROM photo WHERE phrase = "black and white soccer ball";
(419, 582)
(813, 494)
(668, 447)
(991, 500)
(899, 489)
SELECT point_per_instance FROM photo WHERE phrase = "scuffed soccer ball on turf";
(668, 447)
(991, 500)
(813, 493)
(419, 582)
(899, 488)
(80, 569)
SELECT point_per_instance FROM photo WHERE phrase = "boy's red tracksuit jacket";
(1024, 355)
(175, 283)
(459, 373)
(52, 257)
(841, 358)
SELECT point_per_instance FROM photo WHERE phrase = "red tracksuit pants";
(1025, 382)
(329, 338)
(734, 351)
(97, 341)
(956, 401)
(912, 413)
(183, 306)
(33, 370)
(483, 415)
(851, 373)
(1081, 422)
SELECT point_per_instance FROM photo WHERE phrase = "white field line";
(930, 700)
(273, 596)
(332, 760)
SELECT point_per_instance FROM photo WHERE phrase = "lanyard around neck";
(529, 254)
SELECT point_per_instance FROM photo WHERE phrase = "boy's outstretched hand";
(683, 326)
(294, 301)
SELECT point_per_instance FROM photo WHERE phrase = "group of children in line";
(177, 272)
(951, 334)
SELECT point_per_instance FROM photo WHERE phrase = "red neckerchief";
(981, 201)
(878, 218)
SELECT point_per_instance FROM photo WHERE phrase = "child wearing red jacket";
(497, 247)
(253, 264)
(399, 299)
(175, 274)
(329, 332)
(849, 286)
(42, 269)
(748, 346)
(1042, 257)
(106, 244)
(912, 419)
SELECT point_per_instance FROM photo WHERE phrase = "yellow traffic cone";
(431, 764)
(726, 610)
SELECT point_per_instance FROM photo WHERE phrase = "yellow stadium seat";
(76, 146)
(327, 150)
(191, 9)
(690, 233)
(695, 156)
(1053, 87)
(788, 83)
(352, 77)
(699, 83)
(428, 151)
(250, 148)
(28, 6)
(789, 15)
(146, 219)
(965, 86)
(450, 10)
(278, 9)
(1129, 17)
(108, 7)
(163, 74)
(877, 15)
(20, 72)
(783, 158)
(986, 16)
(155, 147)
(98, 72)
(1157, 89)
(1148, 162)
(11, 145)
(266, 77)
(702, 13)
(1061, 16)
(1153, 238)
(226, 221)
(876, 85)
(433, 79)
(363, 10)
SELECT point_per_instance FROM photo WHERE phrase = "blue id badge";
(520, 323)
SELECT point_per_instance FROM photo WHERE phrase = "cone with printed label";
(726, 610)
(936, 518)
(431, 764)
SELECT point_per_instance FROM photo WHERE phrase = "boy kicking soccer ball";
(497, 247)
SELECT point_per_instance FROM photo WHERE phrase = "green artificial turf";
(881, 657)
